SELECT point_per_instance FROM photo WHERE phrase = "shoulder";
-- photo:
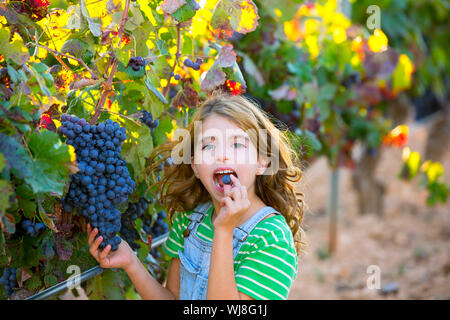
(268, 262)
(275, 230)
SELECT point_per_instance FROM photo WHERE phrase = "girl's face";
(224, 148)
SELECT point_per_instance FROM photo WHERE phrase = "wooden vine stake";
(333, 205)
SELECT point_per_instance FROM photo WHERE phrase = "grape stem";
(57, 53)
(177, 56)
(112, 60)
(121, 115)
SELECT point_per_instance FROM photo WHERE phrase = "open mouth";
(218, 177)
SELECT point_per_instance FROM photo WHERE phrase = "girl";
(235, 239)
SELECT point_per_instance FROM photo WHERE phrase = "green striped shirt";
(266, 264)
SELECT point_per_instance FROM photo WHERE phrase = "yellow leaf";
(292, 30)
(313, 46)
(357, 44)
(433, 170)
(378, 42)
(200, 22)
(72, 153)
(339, 35)
(402, 76)
(249, 18)
(278, 12)
(311, 26)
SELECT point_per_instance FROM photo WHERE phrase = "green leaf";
(15, 51)
(184, 13)
(48, 172)
(312, 141)
(28, 207)
(2, 162)
(187, 45)
(37, 68)
(135, 18)
(17, 159)
(137, 146)
(142, 34)
(5, 192)
(165, 126)
(74, 47)
(155, 91)
(50, 280)
(34, 282)
(327, 91)
(309, 90)
(162, 47)
(94, 27)
(112, 285)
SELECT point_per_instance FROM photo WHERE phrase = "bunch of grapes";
(159, 228)
(136, 63)
(147, 119)
(128, 230)
(176, 76)
(194, 65)
(9, 280)
(103, 180)
(33, 229)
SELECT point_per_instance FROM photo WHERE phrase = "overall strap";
(196, 216)
(241, 233)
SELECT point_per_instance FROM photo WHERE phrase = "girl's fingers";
(226, 190)
(236, 194)
(235, 181)
(105, 252)
(94, 247)
(227, 202)
(92, 236)
(88, 228)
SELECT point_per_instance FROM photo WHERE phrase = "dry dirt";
(409, 245)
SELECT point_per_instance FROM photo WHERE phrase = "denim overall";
(195, 259)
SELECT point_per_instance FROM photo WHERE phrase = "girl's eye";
(238, 145)
(207, 147)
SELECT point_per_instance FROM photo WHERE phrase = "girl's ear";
(262, 166)
(194, 168)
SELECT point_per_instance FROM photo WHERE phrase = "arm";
(221, 281)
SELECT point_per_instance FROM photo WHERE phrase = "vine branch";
(107, 87)
(57, 53)
(177, 56)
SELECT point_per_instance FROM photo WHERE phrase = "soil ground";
(409, 244)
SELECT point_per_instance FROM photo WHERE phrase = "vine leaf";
(138, 145)
(5, 192)
(226, 57)
(155, 91)
(96, 28)
(186, 12)
(15, 50)
(170, 6)
(214, 78)
(234, 15)
(48, 170)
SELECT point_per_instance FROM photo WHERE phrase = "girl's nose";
(222, 154)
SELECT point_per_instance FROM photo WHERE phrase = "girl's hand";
(121, 258)
(234, 205)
